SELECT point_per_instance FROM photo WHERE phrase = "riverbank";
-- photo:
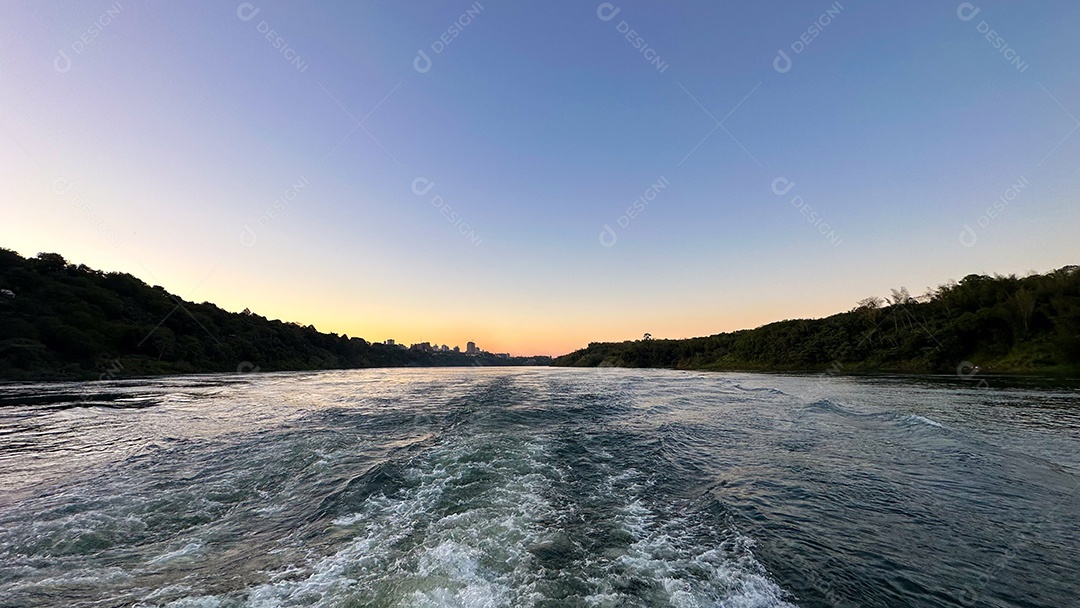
(998, 324)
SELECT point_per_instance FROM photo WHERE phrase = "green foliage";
(69, 321)
(1000, 323)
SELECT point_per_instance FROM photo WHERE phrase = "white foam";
(467, 584)
(461, 529)
(202, 601)
(165, 591)
(923, 420)
(667, 552)
(77, 578)
(476, 557)
(188, 551)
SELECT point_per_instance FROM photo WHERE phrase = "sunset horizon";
(490, 340)
(477, 304)
(425, 186)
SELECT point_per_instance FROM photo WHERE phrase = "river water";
(539, 487)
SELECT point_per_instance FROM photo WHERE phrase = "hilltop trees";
(1001, 323)
(69, 321)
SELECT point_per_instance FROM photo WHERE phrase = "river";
(539, 487)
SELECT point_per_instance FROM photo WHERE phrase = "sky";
(537, 176)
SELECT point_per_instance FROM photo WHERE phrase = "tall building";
(470, 349)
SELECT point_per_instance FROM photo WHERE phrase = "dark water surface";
(539, 487)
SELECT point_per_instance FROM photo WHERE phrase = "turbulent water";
(539, 487)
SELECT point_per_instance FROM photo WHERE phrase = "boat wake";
(494, 520)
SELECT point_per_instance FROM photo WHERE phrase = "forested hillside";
(1001, 324)
(58, 320)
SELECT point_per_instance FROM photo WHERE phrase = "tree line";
(62, 321)
(998, 323)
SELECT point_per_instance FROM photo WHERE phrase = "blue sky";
(174, 129)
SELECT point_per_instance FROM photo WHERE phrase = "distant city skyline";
(470, 348)
(535, 177)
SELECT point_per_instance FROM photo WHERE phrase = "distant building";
(470, 349)
(457, 349)
(390, 342)
(503, 355)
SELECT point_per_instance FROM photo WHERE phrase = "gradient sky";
(164, 129)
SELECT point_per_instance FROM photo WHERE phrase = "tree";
(900, 296)
(871, 302)
(1002, 323)
(1024, 304)
(51, 261)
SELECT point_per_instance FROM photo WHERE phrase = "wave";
(62, 401)
(761, 389)
(675, 555)
(496, 520)
(456, 532)
(915, 418)
(455, 490)
(904, 418)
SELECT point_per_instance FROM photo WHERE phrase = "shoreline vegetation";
(59, 321)
(980, 325)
